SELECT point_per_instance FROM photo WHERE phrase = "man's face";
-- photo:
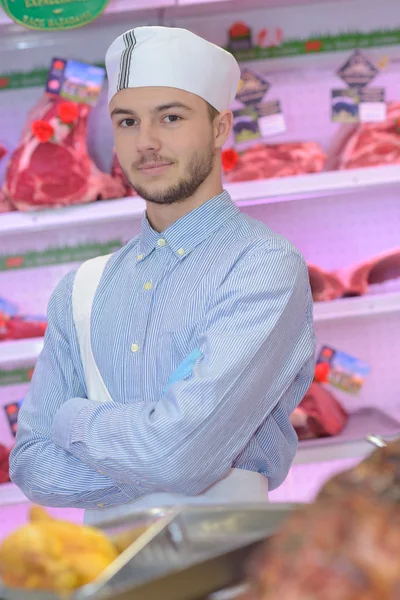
(164, 141)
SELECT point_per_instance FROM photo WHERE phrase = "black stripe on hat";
(126, 57)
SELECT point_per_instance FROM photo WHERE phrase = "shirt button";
(139, 257)
(100, 471)
(181, 252)
(148, 285)
(161, 242)
(135, 347)
(100, 504)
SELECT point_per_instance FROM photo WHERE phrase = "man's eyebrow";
(122, 111)
(161, 108)
(170, 105)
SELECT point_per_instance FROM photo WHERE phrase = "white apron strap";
(86, 282)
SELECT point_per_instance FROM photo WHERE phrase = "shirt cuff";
(65, 419)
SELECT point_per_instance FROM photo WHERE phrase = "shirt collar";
(192, 229)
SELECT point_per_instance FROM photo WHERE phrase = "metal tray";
(197, 551)
(186, 553)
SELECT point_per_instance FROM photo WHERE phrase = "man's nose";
(147, 140)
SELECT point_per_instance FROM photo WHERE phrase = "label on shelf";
(15, 376)
(252, 88)
(58, 256)
(358, 71)
(53, 15)
(372, 105)
(358, 106)
(345, 106)
(11, 411)
(346, 372)
(255, 122)
(75, 81)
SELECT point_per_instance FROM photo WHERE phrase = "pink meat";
(279, 160)
(56, 173)
(384, 267)
(319, 414)
(324, 286)
(5, 205)
(372, 144)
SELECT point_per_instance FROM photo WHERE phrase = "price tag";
(75, 81)
(345, 106)
(258, 121)
(346, 372)
(372, 105)
(271, 120)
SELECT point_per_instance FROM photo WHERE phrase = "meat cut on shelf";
(357, 279)
(277, 160)
(324, 286)
(368, 144)
(51, 166)
(5, 205)
(319, 414)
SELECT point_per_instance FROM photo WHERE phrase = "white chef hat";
(172, 57)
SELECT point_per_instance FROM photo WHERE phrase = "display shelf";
(20, 351)
(314, 185)
(246, 193)
(363, 306)
(11, 494)
(95, 212)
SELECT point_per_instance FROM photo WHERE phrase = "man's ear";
(222, 127)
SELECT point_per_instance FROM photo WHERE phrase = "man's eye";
(127, 122)
(172, 118)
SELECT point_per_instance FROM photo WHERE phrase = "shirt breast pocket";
(179, 354)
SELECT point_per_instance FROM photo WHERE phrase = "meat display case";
(335, 218)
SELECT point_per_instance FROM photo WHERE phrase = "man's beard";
(199, 168)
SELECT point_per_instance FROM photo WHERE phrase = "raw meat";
(384, 267)
(344, 546)
(279, 160)
(319, 414)
(4, 464)
(372, 144)
(324, 286)
(14, 326)
(118, 174)
(5, 205)
(51, 167)
(21, 328)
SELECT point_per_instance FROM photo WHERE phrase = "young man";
(170, 369)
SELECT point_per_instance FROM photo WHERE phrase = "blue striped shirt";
(204, 366)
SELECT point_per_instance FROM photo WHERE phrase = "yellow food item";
(53, 555)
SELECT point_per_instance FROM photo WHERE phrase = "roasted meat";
(344, 546)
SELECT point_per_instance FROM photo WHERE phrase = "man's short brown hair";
(212, 112)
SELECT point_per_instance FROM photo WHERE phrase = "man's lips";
(149, 167)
